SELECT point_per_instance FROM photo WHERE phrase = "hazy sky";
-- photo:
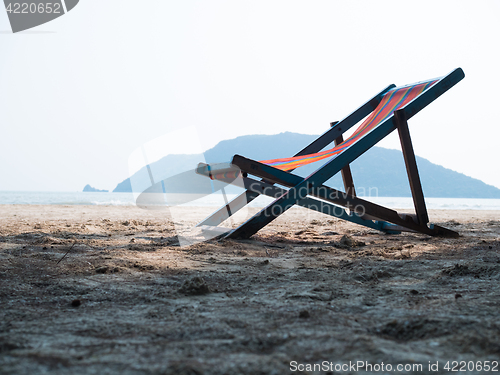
(79, 94)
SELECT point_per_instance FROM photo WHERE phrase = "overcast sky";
(79, 94)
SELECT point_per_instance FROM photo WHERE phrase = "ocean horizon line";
(217, 200)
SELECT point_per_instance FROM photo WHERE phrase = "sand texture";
(126, 299)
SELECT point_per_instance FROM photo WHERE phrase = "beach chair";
(387, 111)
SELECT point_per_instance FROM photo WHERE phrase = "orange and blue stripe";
(393, 100)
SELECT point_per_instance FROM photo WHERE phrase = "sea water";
(66, 198)
(128, 199)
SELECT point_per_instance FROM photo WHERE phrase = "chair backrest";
(393, 100)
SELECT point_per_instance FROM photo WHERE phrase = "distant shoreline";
(216, 200)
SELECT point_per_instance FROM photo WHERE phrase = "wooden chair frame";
(310, 192)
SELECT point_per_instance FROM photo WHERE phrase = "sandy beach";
(108, 290)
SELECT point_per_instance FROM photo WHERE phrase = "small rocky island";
(90, 189)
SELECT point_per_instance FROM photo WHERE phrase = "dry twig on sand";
(64, 256)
